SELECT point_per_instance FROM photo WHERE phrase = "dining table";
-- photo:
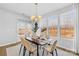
(37, 41)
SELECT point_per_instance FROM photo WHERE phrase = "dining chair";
(21, 46)
(50, 49)
(28, 46)
(43, 36)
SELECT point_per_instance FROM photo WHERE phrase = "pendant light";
(36, 18)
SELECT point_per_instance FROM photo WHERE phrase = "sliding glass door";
(62, 27)
(68, 29)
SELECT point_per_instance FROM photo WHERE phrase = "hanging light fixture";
(36, 17)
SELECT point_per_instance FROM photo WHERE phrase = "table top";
(37, 41)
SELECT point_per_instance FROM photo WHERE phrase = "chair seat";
(48, 48)
(33, 50)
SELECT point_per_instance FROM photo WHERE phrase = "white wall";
(8, 31)
(7, 27)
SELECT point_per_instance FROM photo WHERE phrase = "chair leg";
(20, 49)
(24, 51)
(43, 53)
(29, 53)
(32, 53)
(56, 52)
(52, 54)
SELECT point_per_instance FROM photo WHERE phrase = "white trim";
(59, 35)
(77, 26)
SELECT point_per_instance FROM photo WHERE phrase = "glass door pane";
(68, 24)
(52, 27)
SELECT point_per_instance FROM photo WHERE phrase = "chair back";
(54, 46)
(26, 44)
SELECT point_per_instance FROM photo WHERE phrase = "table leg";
(56, 52)
(37, 50)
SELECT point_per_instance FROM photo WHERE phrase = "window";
(68, 24)
(52, 26)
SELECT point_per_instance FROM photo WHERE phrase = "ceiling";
(29, 9)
